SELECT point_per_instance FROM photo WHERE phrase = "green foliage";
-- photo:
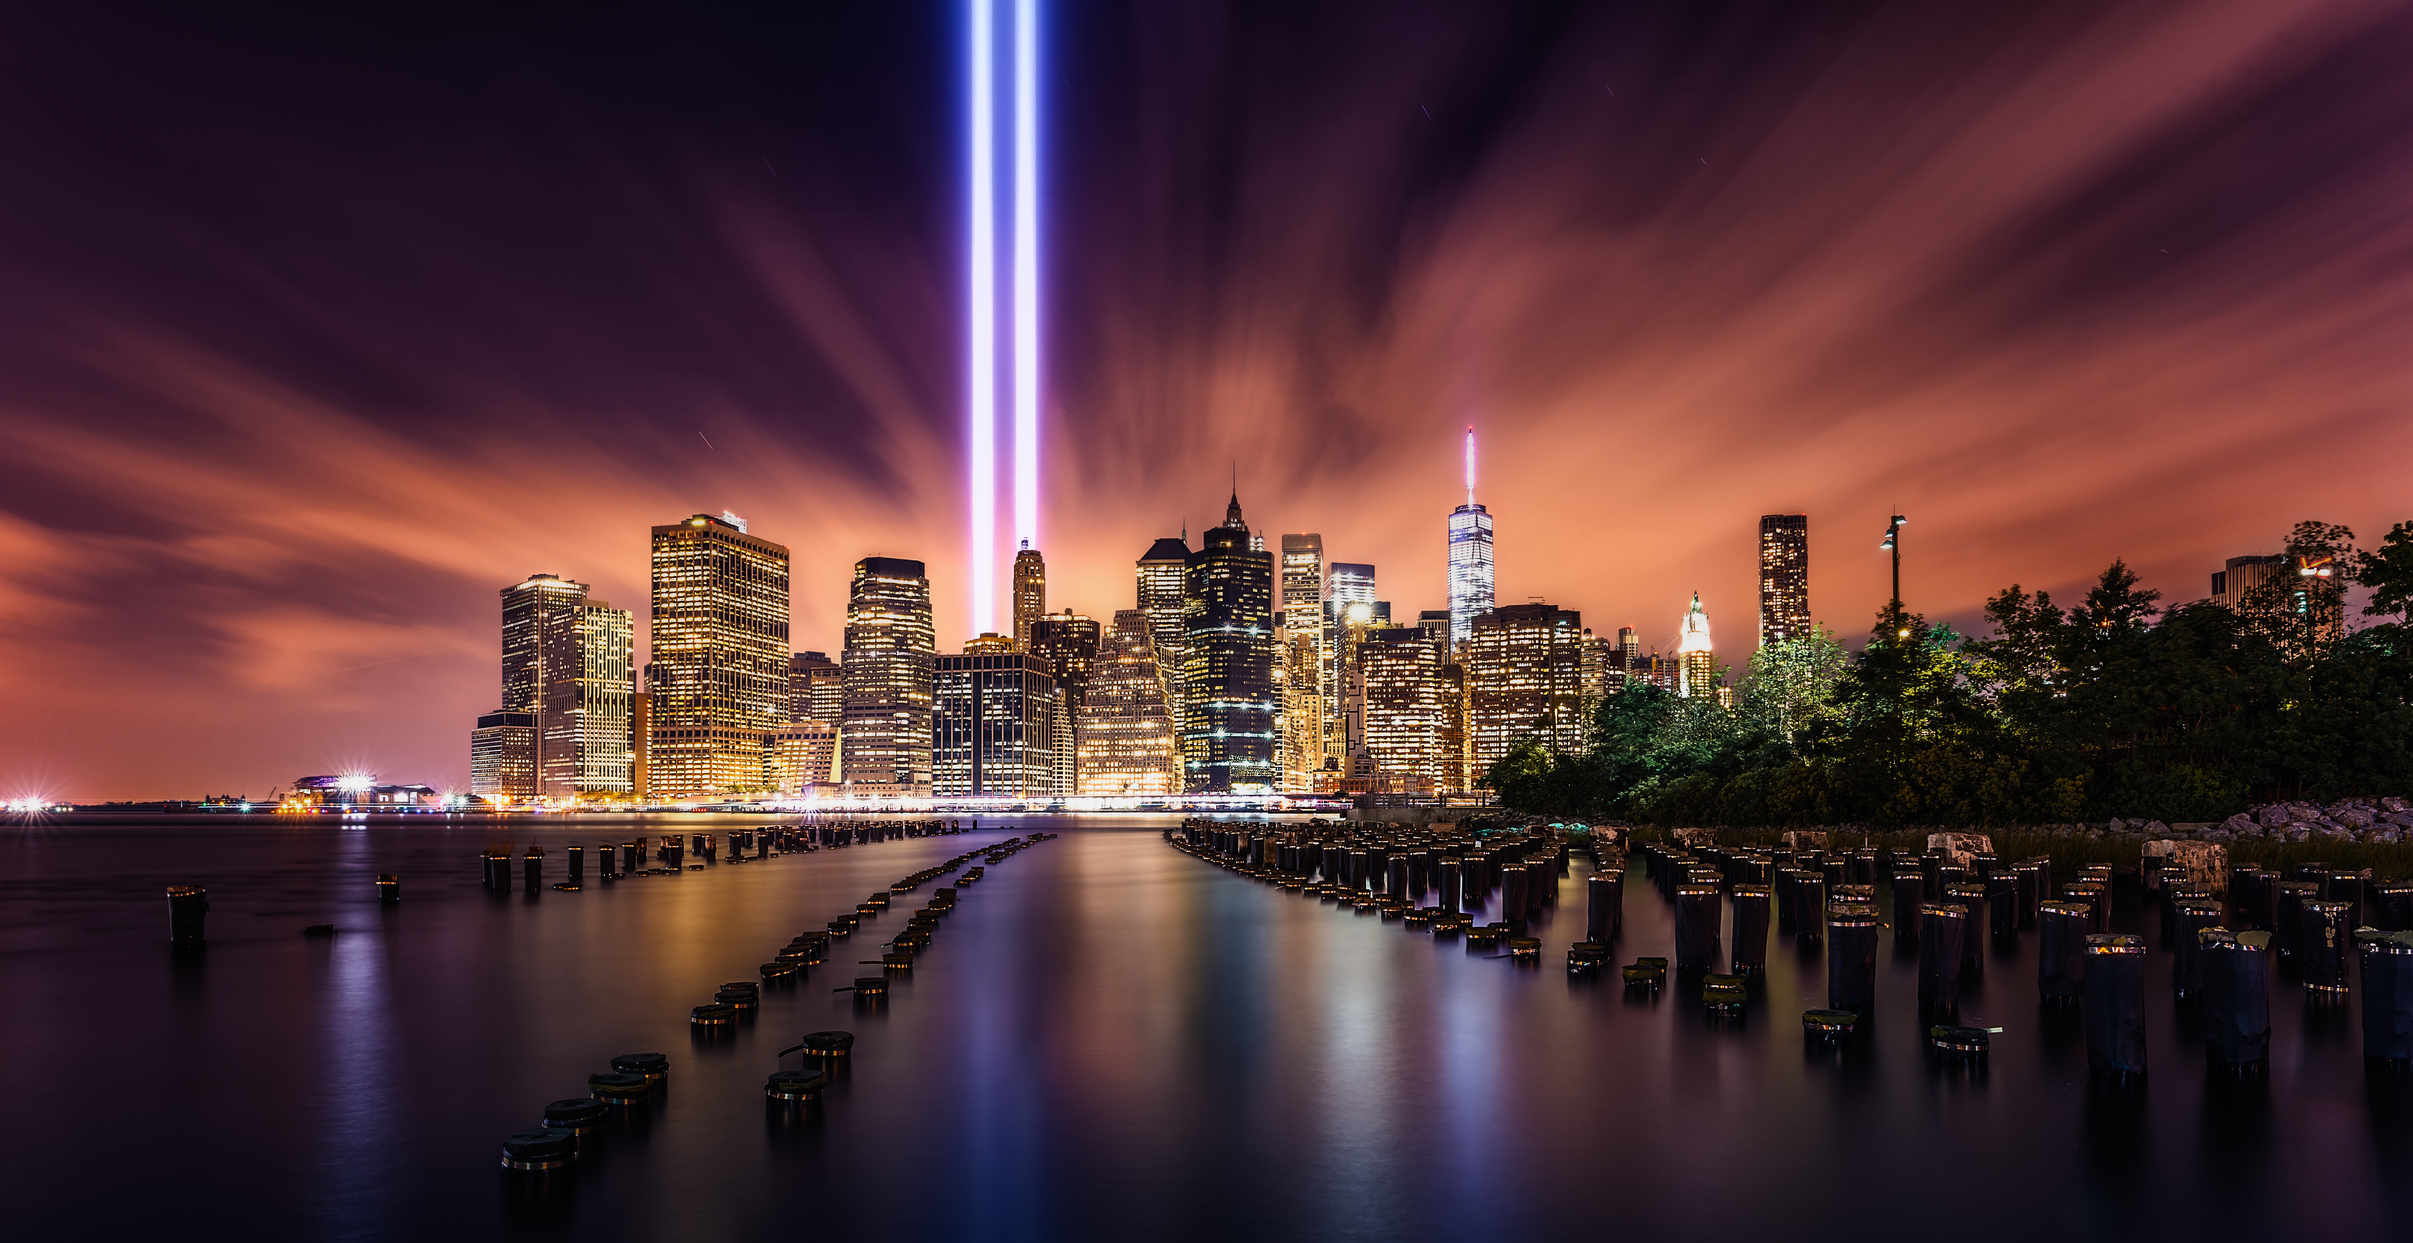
(2388, 571)
(2113, 707)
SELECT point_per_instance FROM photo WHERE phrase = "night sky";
(318, 327)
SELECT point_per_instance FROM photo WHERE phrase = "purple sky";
(317, 328)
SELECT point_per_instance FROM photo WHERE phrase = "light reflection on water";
(1107, 1039)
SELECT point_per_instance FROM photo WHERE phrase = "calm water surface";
(1107, 1039)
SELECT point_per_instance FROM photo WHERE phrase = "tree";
(2302, 609)
(1791, 685)
(2388, 571)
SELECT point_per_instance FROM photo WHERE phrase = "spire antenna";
(1470, 463)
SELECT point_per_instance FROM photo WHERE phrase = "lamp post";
(1893, 544)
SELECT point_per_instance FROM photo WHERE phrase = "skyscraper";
(994, 727)
(1126, 736)
(891, 653)
(1068, 643)
(816, 688)
(1524, 678)
(1348, 600)
(1227, 734)
(720, 656)
(2243, 574)
(1470, 571)
(1030, 592)
(1163, 570)
(1302, 600)
(1300, 662)
(1399, 686)
(583, 734)
(1784, 578)
(567, 668)
(1696, 675)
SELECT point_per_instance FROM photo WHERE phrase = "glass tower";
(1227, 701)
(891, 653)
(1126, 734)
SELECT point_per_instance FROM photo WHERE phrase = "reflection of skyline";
(2096, 283)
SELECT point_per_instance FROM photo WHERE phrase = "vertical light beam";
(1470, 465)
(1026, 271)
(981, 314)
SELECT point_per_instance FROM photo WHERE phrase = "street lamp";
(1893, 544)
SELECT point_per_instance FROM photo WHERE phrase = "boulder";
(2393, 805)
(1959, 847)
(2352, 816)
(2273, 816)
(2238, 822)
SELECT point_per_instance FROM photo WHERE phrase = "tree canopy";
(2115, 706)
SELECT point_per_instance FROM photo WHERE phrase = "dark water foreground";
(1107, 1040)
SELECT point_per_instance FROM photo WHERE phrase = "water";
(1107, 1040)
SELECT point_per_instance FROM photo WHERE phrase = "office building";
(2242, 575)
(502, 757)
(890, 662)
(1457, 755)
(583, 734)
(1348, 600)
(1164, 571)
(800, 755)
(1301, 726)
(1601, 666)
(1068, 642)
(816, 688)
(995, 727)
(1784, 578)
(1697, 675)
(1523, 679)
(567, 667)
(719, 673)
(1470, 569)
(1399, 692)
(1302, 602)
(1125, 738)
(1227, 700)
(1030, 592)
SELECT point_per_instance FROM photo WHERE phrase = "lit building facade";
(1696, 664)
(800, 755)
(502, 757)
(2243, 574)
(1470, 571)
(1227, 701)
(1399, 686)
(1068, 642)
(1524, 679)
(719, 669)
(1164, 573)
(567, 667)
(1125, 735)
(816, 688)
(890, 661)
(583, 739)
(1348, 601)
(995, 727)
(1030, 592)
(1301, 727)
(1784, 578)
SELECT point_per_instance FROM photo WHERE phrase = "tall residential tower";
(1784, 578)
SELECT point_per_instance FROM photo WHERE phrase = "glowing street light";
(1893, 544)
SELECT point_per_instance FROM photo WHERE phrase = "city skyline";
(272, 428)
